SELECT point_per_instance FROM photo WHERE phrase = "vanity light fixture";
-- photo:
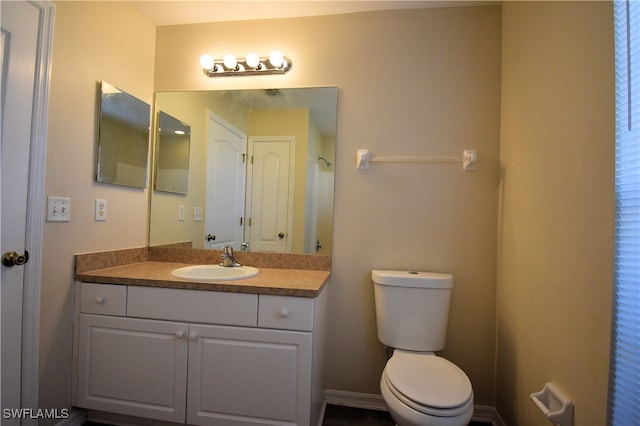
(276, 63)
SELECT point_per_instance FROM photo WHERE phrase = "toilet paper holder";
(554, 404)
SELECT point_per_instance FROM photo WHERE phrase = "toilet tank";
(412, 309)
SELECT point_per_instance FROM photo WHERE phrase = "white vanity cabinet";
(199, 357)
(131, 366)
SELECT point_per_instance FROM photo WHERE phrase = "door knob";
(11, 258)
(281, 235)
(211, 237)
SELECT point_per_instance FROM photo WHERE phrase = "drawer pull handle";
(99, 300)
(180, 334)
(284, 313)
(193, 336)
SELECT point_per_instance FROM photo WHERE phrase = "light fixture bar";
(252, 65)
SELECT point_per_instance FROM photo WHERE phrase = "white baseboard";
(487, 414)
(481, 413)
(354, 399)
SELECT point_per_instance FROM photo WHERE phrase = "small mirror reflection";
(172, 154)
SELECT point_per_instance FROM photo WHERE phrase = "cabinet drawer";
(104, 299)
(285, 313)
(211, 307)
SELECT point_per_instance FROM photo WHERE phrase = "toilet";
(419, 387)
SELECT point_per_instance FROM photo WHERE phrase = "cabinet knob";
(180, 334)
(99, 300)
(284, 313)
(193, 336)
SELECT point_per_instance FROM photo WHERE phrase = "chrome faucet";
(227, 257)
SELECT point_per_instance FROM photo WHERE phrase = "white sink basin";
(215, 272)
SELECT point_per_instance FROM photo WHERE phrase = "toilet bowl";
(419, 387)
(422, 389)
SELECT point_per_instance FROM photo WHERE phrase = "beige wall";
(556, 216)
(440, 95)
(93, 41)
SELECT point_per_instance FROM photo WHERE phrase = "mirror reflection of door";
(225, 184)
(270, 199)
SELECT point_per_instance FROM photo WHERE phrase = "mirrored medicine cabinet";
(123, 138)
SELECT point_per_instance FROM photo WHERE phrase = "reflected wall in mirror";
(123, 138)
(172, 154)
(261, 171)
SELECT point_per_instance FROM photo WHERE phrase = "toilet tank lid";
(412, 279)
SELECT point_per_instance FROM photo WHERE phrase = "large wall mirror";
(261, 171)
(123, 138)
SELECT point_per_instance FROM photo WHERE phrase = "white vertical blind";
(624, 399)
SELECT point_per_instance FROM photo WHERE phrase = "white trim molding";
(35, 209)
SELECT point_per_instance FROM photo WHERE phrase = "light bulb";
(206, 62)
(252, 60)
(230, 61)
(276, 59)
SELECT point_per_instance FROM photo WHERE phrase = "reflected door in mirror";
(271, 196)
(225, 186)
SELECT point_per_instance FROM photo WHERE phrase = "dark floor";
(346, 416)
(336, 415)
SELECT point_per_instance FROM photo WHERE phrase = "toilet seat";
(428, 383)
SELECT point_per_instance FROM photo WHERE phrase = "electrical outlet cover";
(101, 210)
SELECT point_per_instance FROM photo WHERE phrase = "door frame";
(35, 209)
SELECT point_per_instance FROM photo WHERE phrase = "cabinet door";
(248, 376)
(132, 366)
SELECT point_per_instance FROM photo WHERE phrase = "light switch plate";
(58, 209)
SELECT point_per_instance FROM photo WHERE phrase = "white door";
(25, 46)
(225, 184)
(270, 205)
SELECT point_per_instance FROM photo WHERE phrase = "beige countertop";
(285, 282)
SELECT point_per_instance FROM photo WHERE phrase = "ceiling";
(176, 12)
